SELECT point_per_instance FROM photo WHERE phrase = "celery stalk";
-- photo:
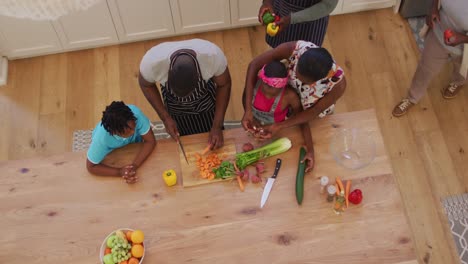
(274, 148)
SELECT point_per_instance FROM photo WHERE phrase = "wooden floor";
(49, 97)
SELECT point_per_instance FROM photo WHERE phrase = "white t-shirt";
(453, 15)
(154, 66)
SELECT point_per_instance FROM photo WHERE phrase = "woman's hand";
(433, 17)
(309, 158)
(266, 6)
(456, 39)
(171, 128)
(215, 139)
(269, 131)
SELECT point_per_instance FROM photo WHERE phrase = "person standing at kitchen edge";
(195, 85)
(438, 50)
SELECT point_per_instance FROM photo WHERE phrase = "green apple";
(111, 241)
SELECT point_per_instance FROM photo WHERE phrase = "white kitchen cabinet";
(244, 12)
(338, 9)
(362, 5)
(191, 16)
(141, 19)
(25, 38)
(87, 29)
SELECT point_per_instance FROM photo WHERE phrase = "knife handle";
(277, 167)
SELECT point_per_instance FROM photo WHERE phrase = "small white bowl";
(104, 244)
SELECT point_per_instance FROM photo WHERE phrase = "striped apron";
(312, 31)
(194, 113)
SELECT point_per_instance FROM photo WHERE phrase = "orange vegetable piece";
(348, 188)
(241, 184)
(340, 184)
(123, 262)
(206, 150)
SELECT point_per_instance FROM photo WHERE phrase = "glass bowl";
(352, 148)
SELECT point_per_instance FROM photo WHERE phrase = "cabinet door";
(87, 29)
(361, 5)
(245, 12)
(141, 19)
(338, 9)
(26, 38)
(201, 15)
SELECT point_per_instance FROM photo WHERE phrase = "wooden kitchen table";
(53, 211)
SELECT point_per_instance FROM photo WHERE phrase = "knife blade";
(183, 151)
(269, 184)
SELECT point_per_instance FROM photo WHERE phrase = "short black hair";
(276, 69)
(315, 63)
(183, 76)
(116, 116)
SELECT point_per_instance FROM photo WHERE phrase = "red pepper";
(355, 196)
(448, 34)
(277, 18)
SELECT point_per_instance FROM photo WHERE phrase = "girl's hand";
(266, 6)
(269, 131)
(247, 122)
(310, 159)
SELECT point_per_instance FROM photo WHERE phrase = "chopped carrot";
(348, 187)
(241, 184)
(340, 184)
(206, 150)
(197, 156)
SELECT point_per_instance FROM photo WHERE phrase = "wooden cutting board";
(190, 173)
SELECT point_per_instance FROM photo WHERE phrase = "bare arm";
(153, 96)
(102, 170)
(223, 93)
(321, 105)
(149, 142)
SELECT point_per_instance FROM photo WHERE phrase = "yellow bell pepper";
(272, 29)
(170, 177)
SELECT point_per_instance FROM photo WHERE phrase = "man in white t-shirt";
(195, 87)
(438, 50)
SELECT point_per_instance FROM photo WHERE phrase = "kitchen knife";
(269, 184)
(183, 151)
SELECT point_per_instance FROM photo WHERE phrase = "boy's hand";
(310, 159)
(433, 17)
(128, 173)
(456, 39)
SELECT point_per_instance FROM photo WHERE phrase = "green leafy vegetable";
(225, 170)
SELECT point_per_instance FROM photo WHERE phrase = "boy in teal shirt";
(120, 125)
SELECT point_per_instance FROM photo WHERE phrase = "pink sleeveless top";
(263, 104)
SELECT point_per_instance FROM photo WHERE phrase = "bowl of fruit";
(123, 246)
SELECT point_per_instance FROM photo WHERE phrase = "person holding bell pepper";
(294, 20)
(445, 41)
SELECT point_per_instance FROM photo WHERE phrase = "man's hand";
(216, 139)
(128, 173)
(266, 7)
(456, 39)
(283, 23)
(171, 128)
(433, 17)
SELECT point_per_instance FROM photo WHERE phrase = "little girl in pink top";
(274, 101)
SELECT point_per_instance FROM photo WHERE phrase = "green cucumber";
(300, 176)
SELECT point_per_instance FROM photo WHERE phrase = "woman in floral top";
(312, 73)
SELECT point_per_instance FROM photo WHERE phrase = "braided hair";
(116, 116)
(315, 63)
